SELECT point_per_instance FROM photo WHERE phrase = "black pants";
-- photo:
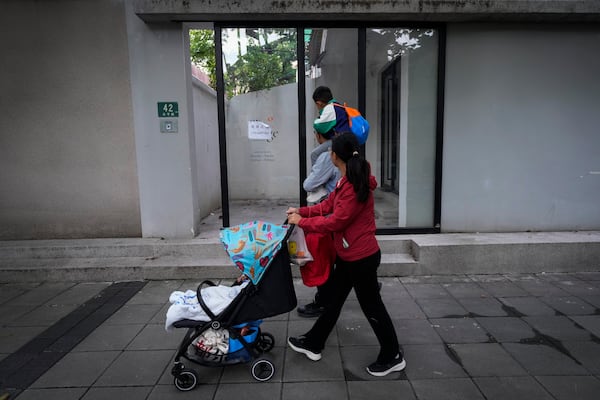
(325, 291)
(362, 276)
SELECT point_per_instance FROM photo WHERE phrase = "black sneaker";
(377, 369)
(310, 310)
(299, 345)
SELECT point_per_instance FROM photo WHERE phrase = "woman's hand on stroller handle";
(292, 216)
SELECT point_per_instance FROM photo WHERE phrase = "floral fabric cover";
(252, 245)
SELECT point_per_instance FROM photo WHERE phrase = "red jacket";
(352, 223)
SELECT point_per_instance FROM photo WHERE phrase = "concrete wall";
(261, 169)
(521, 129)
(67, 154)
(168, 183)
(207, 149)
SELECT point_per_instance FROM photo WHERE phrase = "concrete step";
(402, 255)
(151, 259)
(151, 268)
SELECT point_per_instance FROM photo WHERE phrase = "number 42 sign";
(168, 109)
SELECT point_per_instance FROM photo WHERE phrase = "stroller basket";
(270, 295)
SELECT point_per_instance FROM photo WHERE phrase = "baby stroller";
(260, 251)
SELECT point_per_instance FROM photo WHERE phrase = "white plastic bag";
(297, 248)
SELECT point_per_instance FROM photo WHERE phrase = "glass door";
(402, 108)
(260, 81)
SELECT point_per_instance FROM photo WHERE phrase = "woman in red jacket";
(349, 213)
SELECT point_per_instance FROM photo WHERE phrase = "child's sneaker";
(377, 369)
(299, 345)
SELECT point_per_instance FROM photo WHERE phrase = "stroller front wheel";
(265, 343)
(262, 370)
(186, 380)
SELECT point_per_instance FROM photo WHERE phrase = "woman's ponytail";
(358, 170)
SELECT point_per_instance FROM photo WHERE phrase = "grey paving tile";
(134, 314)
(460, 330)
(135, 368)
(44, 315)
(392, 289)
(109, 337)
(248, 391)
(540, 359)
(528, 305)
(503, 289)
(13, 337)
(52, 394)
(593, 300)
(590, 322)
(154, 337)
(353, 332)
(375, 390)
(540, 287)
(507, 329)
(571, 387)
(560, 328)
(404, 309)
(42, 293)
(77, 369)
(426, 290)
(488, 307)
(313, 391)
(161, 315)
(9, 291)
(431, 361)
(447, 389)
(129, 393)
(278, 329)
(442, 308)
(578, 287)
(165, 392)
(435, 278)
(10, 312)
(80, 292)
(298, 368)
(416, 331)
(513, 388)
(241, 373)
(466, 289)
(487, 359)
(569, 305)
(155, 292)
(587, 353)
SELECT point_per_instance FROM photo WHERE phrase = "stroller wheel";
(262, 370)
(186, 380)
(265, 343)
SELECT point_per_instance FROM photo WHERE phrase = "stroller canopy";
(252, 245)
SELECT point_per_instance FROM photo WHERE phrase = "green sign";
(168, 109)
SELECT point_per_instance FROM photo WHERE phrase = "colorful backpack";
(358, 124)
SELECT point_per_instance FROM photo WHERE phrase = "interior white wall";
(521, 129)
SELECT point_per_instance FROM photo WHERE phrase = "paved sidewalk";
(464, 337)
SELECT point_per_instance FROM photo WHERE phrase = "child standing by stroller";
(352, 221)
